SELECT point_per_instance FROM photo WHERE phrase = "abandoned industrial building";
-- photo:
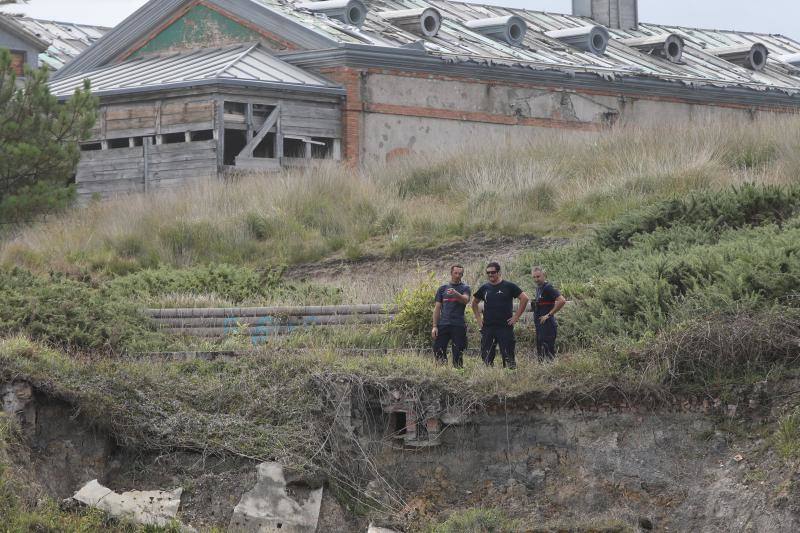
(194, 88)
(47, 43)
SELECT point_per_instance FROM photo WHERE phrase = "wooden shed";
(166, 120)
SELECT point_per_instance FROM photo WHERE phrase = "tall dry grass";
(555, 183)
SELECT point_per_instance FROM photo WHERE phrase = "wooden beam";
(271, 121)
(146, 160)
(249, 121)
(219, 135)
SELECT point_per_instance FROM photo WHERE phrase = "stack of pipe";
(266, 321)
(753, 57)
(592, 39)
(423, 21)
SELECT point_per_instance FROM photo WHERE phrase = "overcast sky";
(765, 16)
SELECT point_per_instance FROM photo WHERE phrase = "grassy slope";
(656, 298)
(557, 184)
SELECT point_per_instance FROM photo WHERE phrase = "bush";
(725, 346)
(232, 283)
(72, 315)
(748, 205)
(415, 311)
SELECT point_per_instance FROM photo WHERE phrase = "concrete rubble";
(375, 529)
(154, 507)
(271, 506)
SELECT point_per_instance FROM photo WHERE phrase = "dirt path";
(479, 249)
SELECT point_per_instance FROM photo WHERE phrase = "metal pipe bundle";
(669, 46)
(424, 21)
(592, 39)
(753, 57)
(510, 29)
(352, 12)
(250, 312)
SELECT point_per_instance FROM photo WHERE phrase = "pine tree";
(38, 142)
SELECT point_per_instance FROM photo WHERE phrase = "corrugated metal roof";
(456, 42)
(242, 63)
(65, 39)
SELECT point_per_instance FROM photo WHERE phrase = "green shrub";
(236, 284)
(71, 314)
(787, 436)
(748, 205)
(415, 311)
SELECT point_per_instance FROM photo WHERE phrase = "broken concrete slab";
(154, 507)
(375, 529)
(269, 506)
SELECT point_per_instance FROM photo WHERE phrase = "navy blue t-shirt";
(545, 299)
(498, 300)
(452, 309)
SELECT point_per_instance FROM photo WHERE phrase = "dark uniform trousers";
(498, 337)
(456, 334)
(546, 338)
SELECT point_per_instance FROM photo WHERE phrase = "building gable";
(204, 26)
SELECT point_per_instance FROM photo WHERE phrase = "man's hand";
(511, 321)
(544, 319)
(434, 332)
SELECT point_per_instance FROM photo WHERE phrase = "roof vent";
(352, 12)
(790, 59)
(669, 47)
(592, 39)
(510, 29)
(753, 57)
(424, 21)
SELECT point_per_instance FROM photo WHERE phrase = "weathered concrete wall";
(404, 114)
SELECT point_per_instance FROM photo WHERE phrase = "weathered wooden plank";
(113, 127)
(126, 185)
(180, 158)
(131, 174)
(131, 111)
(159, 168)
(119, 153)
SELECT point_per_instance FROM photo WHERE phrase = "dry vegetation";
(557, 184)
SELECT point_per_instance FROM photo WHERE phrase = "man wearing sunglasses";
(498, 318)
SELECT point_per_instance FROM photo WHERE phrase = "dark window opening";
(173, 138)
(18, 61)
(138, 141)
(321, 148)
(294, 148)
(90, 147)
(119, 143)
(266, 148)
(202, 135)
(235, 107)
(235, 140)
(397, 423)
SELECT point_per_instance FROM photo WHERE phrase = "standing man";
(548, 302)
(448, 318)
(498, 318)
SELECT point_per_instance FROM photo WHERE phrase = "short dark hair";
(495, 265)
(456, 266)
